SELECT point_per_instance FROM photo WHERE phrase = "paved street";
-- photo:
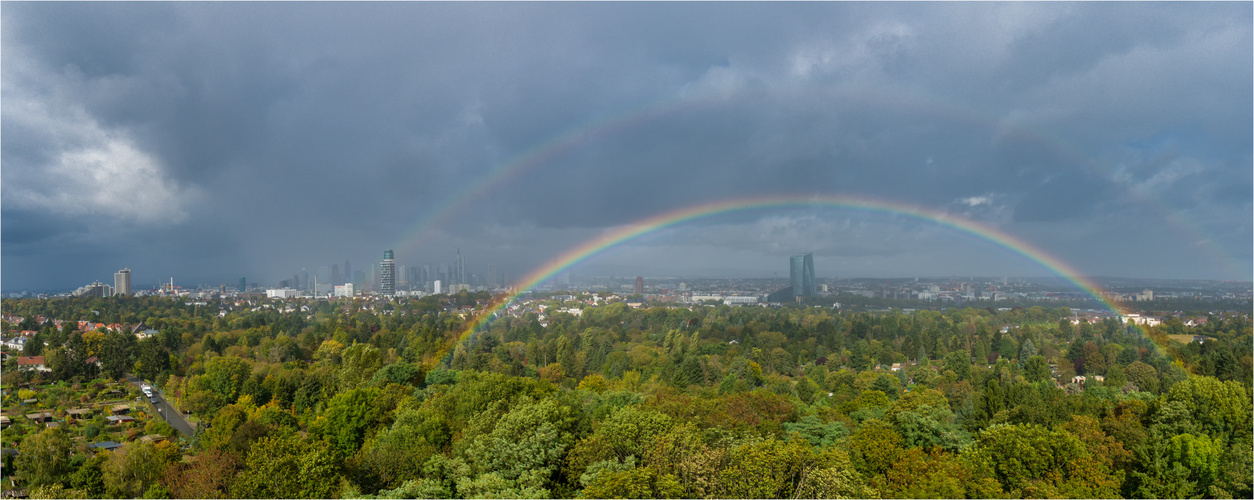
(171, 414)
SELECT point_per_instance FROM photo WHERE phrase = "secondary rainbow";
(542, 153)
(639, 228)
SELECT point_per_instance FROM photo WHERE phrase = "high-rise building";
(461, 269)
(335, 275)
(387, 274)
(801, 272)
(243, 284)
(122, 282)
(639, 284)
(95, 289)
(348, 272)
(402, 277)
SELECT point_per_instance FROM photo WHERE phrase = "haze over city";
(215, 141)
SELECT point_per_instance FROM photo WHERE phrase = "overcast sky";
(210, 141)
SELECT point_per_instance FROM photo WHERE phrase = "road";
(172, 416)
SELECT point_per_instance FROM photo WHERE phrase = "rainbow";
(648, 225)
(560, 144)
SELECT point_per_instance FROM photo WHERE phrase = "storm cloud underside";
(212, 141)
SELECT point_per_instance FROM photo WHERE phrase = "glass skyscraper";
(801, 270)
(387, 274)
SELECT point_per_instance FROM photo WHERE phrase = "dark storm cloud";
(222, 139)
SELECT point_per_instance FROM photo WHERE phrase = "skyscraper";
(323, 275)
(639, 284)
(122, 282)
(801, 272)
(461, 268)
(348, 272)
(243, 284)
(335, 275)
(387, 274)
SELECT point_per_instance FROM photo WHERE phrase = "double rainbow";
(547, 151)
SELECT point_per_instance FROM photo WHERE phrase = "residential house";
(35, 363)
(16, 343)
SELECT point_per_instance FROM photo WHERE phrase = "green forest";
(376, 398)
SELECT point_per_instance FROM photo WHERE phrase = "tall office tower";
(639, 284)
(402, 277)
(122, 282)
(243, 284)
(335, 275)
(426, 273)
(387, 274)
(97, 289)
(324, 275)
(801, 270)
(348, 272)
(461, 268)
(305, 280)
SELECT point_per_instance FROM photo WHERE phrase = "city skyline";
(214, 141)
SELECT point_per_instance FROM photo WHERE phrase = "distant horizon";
(231, 286)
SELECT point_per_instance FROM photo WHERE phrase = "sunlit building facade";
(122, 282)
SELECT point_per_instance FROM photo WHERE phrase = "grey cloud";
(304, 133)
